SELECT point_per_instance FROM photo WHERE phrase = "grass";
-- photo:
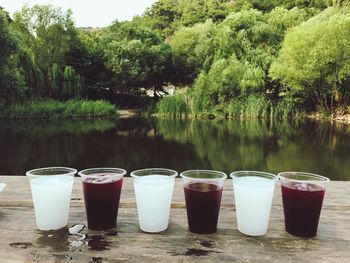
(52, 109)
(174, 106)
(253, 107)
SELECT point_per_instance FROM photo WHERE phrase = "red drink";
(302, 205)
(203, 205)
(102, 201)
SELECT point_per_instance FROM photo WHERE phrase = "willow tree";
(71, 83)
(47, 32)
(314, 62)
(11, 84)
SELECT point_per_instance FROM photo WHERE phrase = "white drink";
(51, 197)
(2, 186)
(253, 198)
(153, 199)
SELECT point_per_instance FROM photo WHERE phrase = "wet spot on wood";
(206, 243)
(96, 259)
(60, 257)
(195, 252)
(57, 240)
(112, 233)
(98, 243)
(23, 245)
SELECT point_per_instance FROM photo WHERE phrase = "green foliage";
(11, 82)
(222, 51)
(167, 16)
(250, 107)
(314, 62)
(52, 109)
(46, 34)
(192, 49)
(267, 6)
(86, 57)
(175, 106)
(137, 56)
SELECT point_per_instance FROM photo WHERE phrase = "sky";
(94, 13)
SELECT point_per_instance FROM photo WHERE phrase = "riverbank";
(53, 109)
(344, 119)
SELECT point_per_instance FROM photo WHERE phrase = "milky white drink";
(253, 199)
(51, 192)
(51, 196)
(153, 199)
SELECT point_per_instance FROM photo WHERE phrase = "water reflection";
(225, 145)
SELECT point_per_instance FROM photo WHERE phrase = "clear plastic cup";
(102, 188)
(203, 191)
(253, 193)
(51, 192)
(302, 196)
(2, 186)
(153, 191)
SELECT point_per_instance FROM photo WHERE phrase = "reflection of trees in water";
(39, 128)
(321, 148)
(28, 144)
(265, 144)
(225, 145)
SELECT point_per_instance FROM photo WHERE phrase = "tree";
(137, 56)
(11, 81)
(86, 57)
(192, 50)
(167, 16)
(47, 33)
(314, 62)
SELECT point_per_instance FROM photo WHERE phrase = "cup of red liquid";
(203, 191)
(302, 196)
(102, 188)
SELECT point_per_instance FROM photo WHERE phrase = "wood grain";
(21, 242)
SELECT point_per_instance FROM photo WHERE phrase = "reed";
(53, 109)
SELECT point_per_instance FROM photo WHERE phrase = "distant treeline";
(236, 57)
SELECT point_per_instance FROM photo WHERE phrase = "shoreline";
(344, 119)
(135, 113)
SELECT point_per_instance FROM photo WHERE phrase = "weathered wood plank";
(21, 242)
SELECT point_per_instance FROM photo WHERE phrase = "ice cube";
(76, 229)
(302, 187)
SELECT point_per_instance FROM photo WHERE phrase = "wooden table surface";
(21, 242)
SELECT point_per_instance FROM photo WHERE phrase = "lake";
(226, 145)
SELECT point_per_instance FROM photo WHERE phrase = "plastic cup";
(102, 188)
(302, 196)
(253, 193)
(203, 191)
(2, 186)
(51, 192)
(153, 191)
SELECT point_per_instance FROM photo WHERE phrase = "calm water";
(225, 145)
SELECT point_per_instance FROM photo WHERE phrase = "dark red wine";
(302, 205)
(203, 205)
(102, 203)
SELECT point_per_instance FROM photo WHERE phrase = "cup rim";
(314, 178)
(2, 186)
(134, 173)
(222, 175)
(119, 171)
(67, 169)
(259, 173)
